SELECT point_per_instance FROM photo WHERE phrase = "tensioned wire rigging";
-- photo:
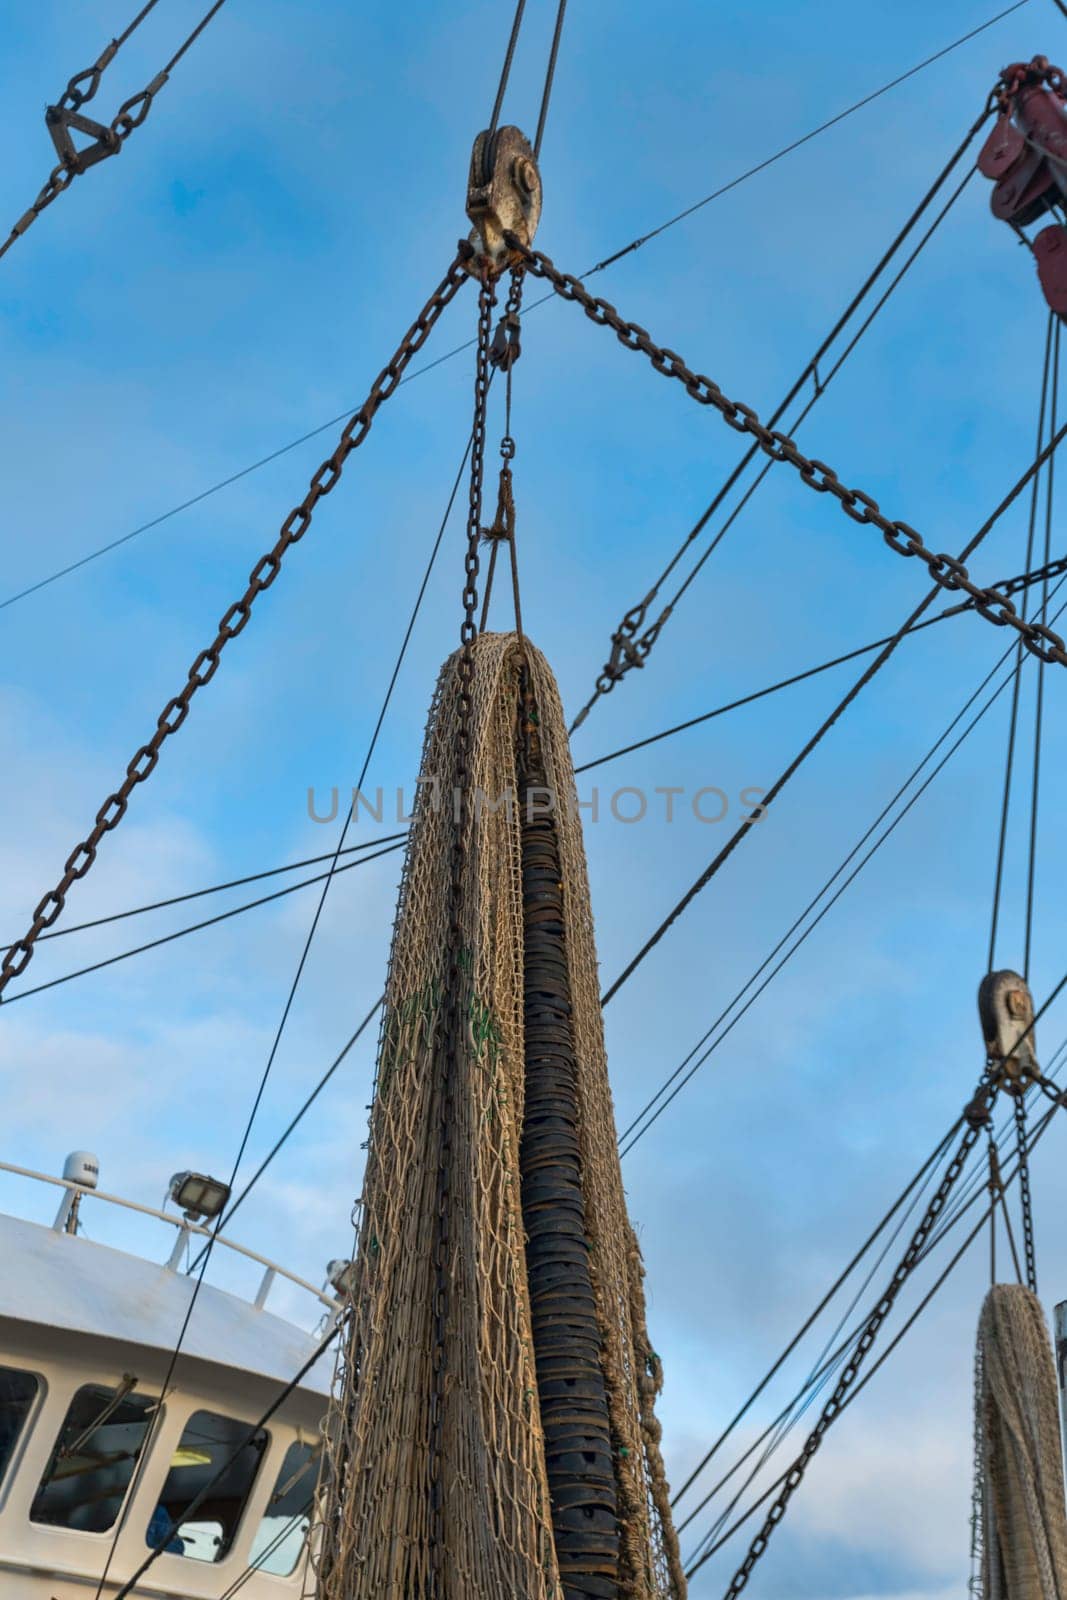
(665, 1094)
(996, 1186)
(688, 1067)
(1040, 575)
(630, 646)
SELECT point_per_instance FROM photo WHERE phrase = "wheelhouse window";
(202, 1462)
(18, 1391)
(279, 1541)
(94, 1458)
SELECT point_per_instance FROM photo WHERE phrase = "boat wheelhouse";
(90, 1477)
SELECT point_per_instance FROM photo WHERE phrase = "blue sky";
(236, 277)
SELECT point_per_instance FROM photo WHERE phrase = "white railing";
(271, 1269)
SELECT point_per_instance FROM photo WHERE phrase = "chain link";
(110, 140)
(976, 1115)
(946, 571)
(453, 1009)
(1015, 77)
(263, 574)
(1024, 1195)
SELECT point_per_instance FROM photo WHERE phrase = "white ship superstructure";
(90, 1477)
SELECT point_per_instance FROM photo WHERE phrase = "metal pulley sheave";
(1025, 156)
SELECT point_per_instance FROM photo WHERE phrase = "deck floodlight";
(200, 1197)
(340, 1275)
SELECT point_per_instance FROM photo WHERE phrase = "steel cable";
(217, 888)
(550, 75)
(635, 618)
(720, 859)
(1010, 585)
(629, 1138)
(1013, 717)
(197, 927)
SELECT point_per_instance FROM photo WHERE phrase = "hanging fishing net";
(529, 1466)
(1020, 1497)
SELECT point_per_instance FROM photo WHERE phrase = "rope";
(865, 677)
(549, 78)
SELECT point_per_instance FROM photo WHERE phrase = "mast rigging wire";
(865, 677)
(1013, 716)
(1040, 706)
(637, 615)
(196, 927)
(505, 71)
(550, 75)
(1008, 586)
(831, 1410)
(931, 1161)
(600, 266)
(293, 1124)
(858, 105)
(629, 1138)
(218, 888)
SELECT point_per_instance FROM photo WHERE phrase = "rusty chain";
(946, 571)
(108, 138)
(453, 1015)
(1013, 78)
(262, 576)
(976, 1116)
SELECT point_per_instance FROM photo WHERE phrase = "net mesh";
(1023, 1542)
(376, 1540)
